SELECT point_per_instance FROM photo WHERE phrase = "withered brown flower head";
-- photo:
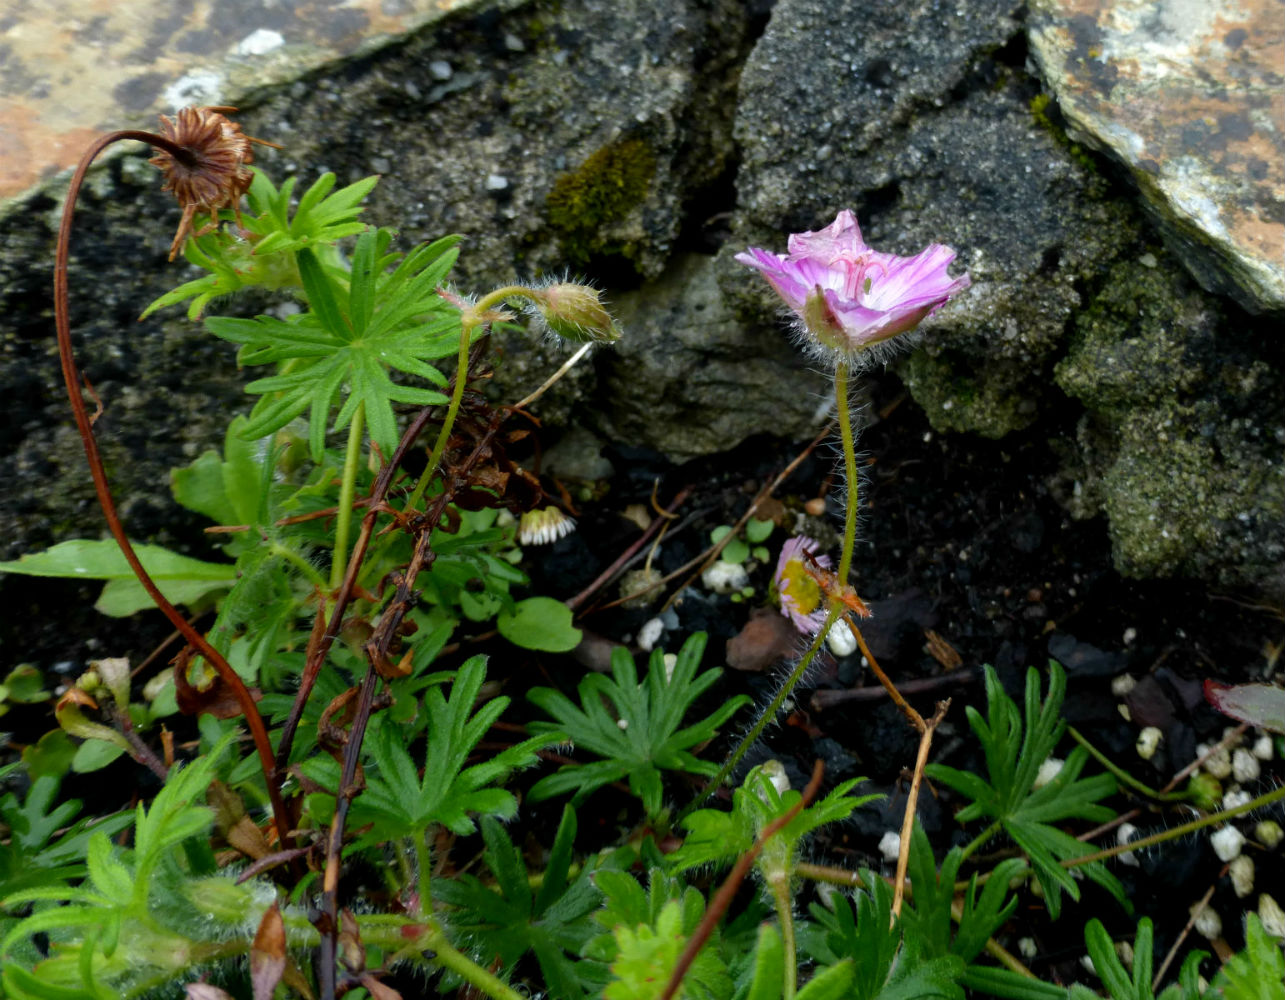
(214, 176)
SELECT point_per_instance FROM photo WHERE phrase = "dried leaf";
(351, 951)
(268, 954)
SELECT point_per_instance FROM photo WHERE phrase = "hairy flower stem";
(73, 379)
(468, 970)
(783, 900)
(841, 375)
(980, 840)
(347, 488)
(470, 319)
(768, 714)
(837, 607)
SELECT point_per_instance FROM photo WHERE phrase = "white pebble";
(1241, 871)
(1209, 924)
(1130, 634)
(496, 182)
(1262, 748)
(1122, 685)
(1027, 948)
(1244, 766)
(1270, 913)
(1218, 763)
(1227, 842)
(1088, 965)
(650, 634)
(841, 640)
(1269, 833)
(890, 845)
(1048, 771)
(440, 69)
(622, 724)
(1122, 837)
(1148, 742)
(1236, 797)
(725, 577)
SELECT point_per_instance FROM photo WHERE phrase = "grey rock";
(688, 378)
(944, 137)
(1190, 97)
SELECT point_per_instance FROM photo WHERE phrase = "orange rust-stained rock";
(1191, 97)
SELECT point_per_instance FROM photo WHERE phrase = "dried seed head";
(214, 174)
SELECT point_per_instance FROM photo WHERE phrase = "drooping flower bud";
(576, 313)
(213, 174)
(544, 525)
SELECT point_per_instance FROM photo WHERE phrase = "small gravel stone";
(1269, 833)
(1270, 913)
(1227, 842)
(1122, 685)
(1218, 763)
(1244, 766)
(890, 845)
(1148, 742)
(1209, 924)
(1241, 871)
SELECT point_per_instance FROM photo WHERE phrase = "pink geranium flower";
(850, 298)
(798, 590)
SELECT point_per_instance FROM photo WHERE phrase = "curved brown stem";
(73, 379)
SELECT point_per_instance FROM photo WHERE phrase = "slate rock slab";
(1191, 98)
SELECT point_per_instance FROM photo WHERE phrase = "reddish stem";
(73, 379)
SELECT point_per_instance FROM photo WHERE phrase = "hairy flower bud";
(576, 313)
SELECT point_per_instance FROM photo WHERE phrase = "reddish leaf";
(1257, 704)
(268, 954)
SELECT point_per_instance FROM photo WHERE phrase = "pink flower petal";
(869, 297)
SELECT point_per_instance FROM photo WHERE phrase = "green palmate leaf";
(341, 352)
(641, 735)
(928, 917)
(1135, 984)
(227, 488)
(1257, 973)
(502, 922)
(262, 254)
(541, 623)
(182, 579)
(719, 838)
(402, 804)
(44, 846)
(648, 933)
(112, 932)
(1014, 752)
